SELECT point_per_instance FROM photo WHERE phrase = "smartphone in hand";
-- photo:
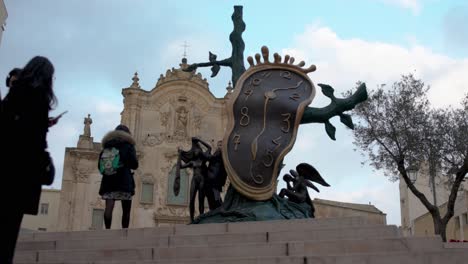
(54, 120)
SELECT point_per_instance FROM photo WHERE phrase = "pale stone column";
(462, 235)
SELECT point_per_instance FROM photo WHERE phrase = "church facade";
(179, 107)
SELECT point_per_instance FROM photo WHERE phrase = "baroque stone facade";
(179, 107)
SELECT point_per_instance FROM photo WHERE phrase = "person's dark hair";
(14, 72)
(123, 128)
(38, 74)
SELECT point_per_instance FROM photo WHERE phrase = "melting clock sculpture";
(264, 116)
(269, 102)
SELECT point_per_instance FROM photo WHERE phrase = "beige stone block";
(143, 233)
(456, 245)
(217, 239)
(355, 246)
(88, 244)
(253, 260)
(393, 258)
(35, 245)
(424, 243)
(297, 224)
(94, 234)
(133, 254)
(200, 229)
(378, 231)
(25, 236)
(26, 256)
(228, 251)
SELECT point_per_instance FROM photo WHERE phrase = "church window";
(147, 193)
(44, 208)
(97, 219)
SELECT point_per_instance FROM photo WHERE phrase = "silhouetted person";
(12, 77)
(24, 161)
(116, 162)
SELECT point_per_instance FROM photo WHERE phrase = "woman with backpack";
(116, 162)
(26, 164)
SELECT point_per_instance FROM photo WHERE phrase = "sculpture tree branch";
(236, 61)
(337, 107)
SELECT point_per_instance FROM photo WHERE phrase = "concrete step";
(97, 234)
(245, 250)
(444, 257)
(365, 246)
(270, 226)
(155, 239)
(362, 232)
(304, 248)
(308, 241)
(86, 256)
(245, 227)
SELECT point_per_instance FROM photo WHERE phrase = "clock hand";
(289, 88)
(268, 95)
(254, 145)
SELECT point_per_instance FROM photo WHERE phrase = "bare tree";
(397, 128)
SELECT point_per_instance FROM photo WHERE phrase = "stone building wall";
(335, 209)
(179, 107)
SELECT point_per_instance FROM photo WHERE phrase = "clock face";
(266, 112)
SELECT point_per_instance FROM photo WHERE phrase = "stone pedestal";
(85, 142)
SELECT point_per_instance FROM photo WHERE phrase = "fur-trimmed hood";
(117, 136)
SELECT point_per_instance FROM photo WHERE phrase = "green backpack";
(110, 161)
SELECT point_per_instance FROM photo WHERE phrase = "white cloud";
(342, 62)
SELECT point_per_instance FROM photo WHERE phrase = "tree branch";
(460, 175)
(430, 207)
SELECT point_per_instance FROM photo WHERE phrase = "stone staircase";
(321, 241)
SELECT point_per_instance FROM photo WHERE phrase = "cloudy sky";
(97, 45)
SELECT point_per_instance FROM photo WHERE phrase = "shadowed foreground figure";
(301, 179)
(25, 161)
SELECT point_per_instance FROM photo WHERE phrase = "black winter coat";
(123, 180)
(24, 121)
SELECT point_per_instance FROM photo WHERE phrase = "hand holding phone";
(54, 120)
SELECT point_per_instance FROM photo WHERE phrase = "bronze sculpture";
(301, 178)
(207, 180)
(216, 178)
(196, 159)
(264, 117)
(269, 102)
